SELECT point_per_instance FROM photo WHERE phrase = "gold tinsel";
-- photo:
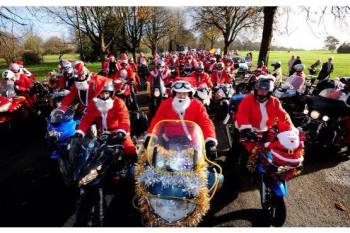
(202, 201)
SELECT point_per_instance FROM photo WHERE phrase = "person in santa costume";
(113, 66)
(220, 75)
(258, 112)
(86, 87)
(162, 71)
(182, 107)
(65, 78)
(199, 77)
(111, 116)
(23, 85)
(211, 65)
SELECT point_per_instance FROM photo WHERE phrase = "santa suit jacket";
(197, 80)
(115, 120)
(258, 116)
(216, 78)
(196, 112)
(23, 83)
(96, 84)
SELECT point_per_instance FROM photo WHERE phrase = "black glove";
(211, 151)
(116, 138)
(247, 135)
(145, 144)
(77, 138)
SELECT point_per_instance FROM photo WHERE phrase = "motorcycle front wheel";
(273, 206)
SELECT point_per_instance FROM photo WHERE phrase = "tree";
(211, 34)
(331, 43)
(92, 22)
(269, 14)
(344, 48)
(229, 20)
(135, 20)
(159, 25)
(33, 43)
(9, 47)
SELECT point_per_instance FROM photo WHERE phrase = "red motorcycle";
(11, 108)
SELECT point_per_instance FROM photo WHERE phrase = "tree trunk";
(227, 44)
(269, 13)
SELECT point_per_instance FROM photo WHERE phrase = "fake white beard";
(180, 105)
(82, 86)
(103, 105)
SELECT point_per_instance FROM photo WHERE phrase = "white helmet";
(8, 75)
(299, 67)
(182, 86)
(14, 67)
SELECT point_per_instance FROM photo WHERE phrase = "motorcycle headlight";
(306, 111)
(90, 176)
(325, 118)
(314, 114)
(171, 210)
(5, 107)
(156, 92)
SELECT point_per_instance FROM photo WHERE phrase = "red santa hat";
(123, 58)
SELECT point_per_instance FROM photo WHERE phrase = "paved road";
(33, 194)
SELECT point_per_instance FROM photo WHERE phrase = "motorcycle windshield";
(61, 114)
(333, 93)
(176, 146)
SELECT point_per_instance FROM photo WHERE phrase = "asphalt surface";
(33, 194)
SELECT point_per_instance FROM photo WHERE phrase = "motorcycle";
(222, 94)
(327, 122)
(11, 106)
(158, 93)
(245, 83)
(97, 164)
(61, 126)
(278, 160)
(174, 185)
(125, 90)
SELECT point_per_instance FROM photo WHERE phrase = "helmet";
(131, 60)
(220, 65)
(14, 67)
(111, 58)
(276, 63)
(299, 67)
(67, 68)
(8, 75)
(264, 83)
(182, 86)
(109, 86)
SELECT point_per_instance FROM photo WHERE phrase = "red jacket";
(260, 116)
(114, 120)
(196, 112)
(96, 83)
(218, 78)
(165, 76)
(202, 79)
(117, 118)
(23, 83)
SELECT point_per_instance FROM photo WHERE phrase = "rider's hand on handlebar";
(248, 135)
(116, 138)
(211, 151)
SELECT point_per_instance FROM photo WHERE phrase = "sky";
(291, 29)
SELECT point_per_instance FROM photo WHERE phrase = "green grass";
(341, 62)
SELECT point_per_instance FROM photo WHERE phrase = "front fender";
(279, 187)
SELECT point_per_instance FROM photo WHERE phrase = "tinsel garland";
(190, 182)
(202, 200)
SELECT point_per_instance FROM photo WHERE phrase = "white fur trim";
(289, 139)
(80, 131)
(82, 86)
(264, 116)
(301, 159)
(211, 139)
(121, 130)
(244, 127)
(267, 144)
